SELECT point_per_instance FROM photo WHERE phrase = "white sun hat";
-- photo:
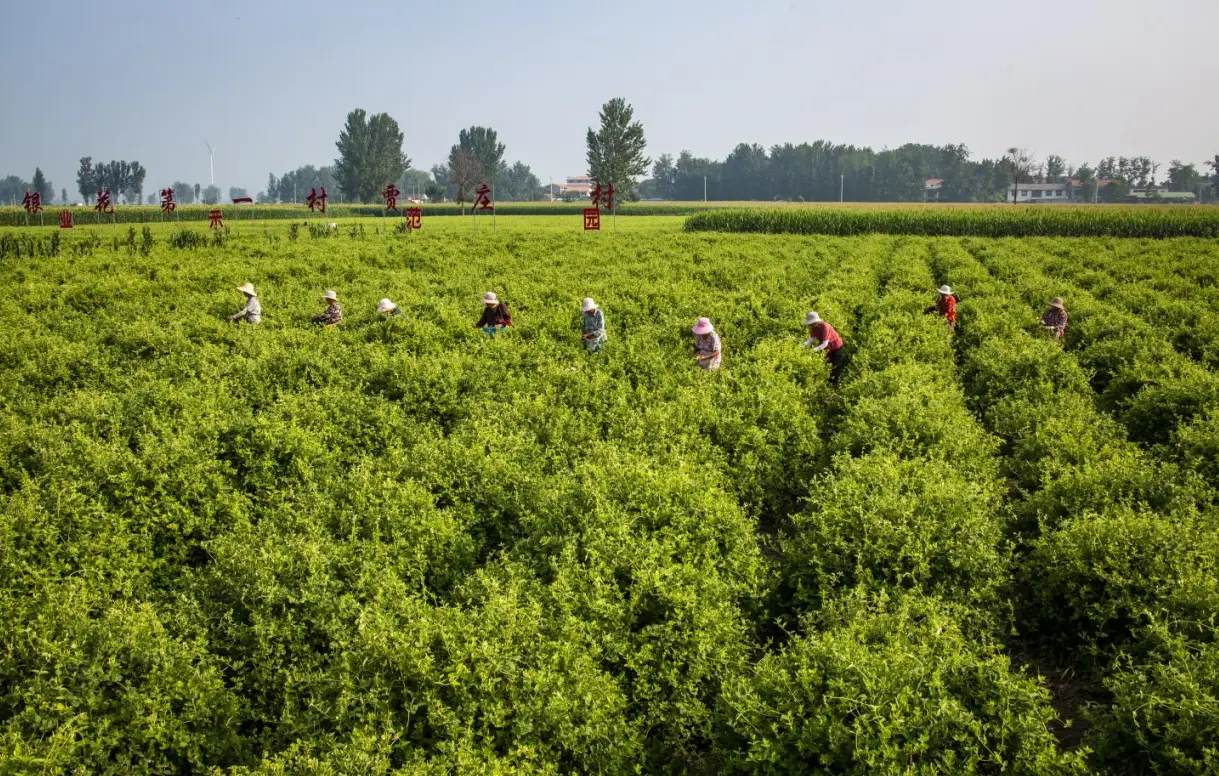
(331, 295)
(247, 289)
(490, 298)
(945, 289)
(589, 305)
(385, 306)
(812, 318)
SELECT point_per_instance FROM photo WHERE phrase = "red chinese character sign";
(215, 219)
(391, 197)
(414, 218)
(317, 201)
(167, 202)
(65, 219)
(601, 196)
(592, 219)
(104, 204)
(32, 202)
(483, 204)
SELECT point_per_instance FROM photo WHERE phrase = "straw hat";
(589, 305)
(331, 295)
(945, 289)
(385, 306)
(247, 289)
(703, 326)
(1056, 302)
(490, 298)
(812, 318)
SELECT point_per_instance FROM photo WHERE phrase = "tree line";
(371, 155)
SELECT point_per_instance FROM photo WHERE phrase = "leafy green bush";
(883, 522)
(1165, 713)
(1099, 581)
(837, 699)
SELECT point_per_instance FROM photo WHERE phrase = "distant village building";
(577, 185)
(932, 188)
(1071, 191)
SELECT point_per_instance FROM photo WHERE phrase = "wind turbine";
(211, 161)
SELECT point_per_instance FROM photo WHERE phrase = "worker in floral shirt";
(592, 326)
(1055, 318)
(707, 348)
(946, 306)
(333, 314)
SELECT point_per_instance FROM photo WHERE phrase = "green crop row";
(399, 546)
(1011, 221)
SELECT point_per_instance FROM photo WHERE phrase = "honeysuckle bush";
(838, 700)
(1165, 712)
(397, 545)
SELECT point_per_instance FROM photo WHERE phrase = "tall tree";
(63, 196)
(664, 174)
(12, 189)
(1021, 164)
(46, 191)
(135, 183)
(211, 194)
(237, 193)
(1182, 177)
(370, 155)
(272, 191)
(1055, 169)
(615, 151)
(484, 143)
(465, 173)
(198, 188)
(184, 193)
(84, 179)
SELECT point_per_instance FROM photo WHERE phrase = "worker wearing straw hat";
(252, 312)
(592, 326)
(333, 314)
(1055, 318)
(388, 309)
(495, 317)
(946, 305)
(707, 347)
(823, 337)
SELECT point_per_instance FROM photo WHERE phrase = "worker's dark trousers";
(836, 361)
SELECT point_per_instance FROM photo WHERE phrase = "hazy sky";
(270, 83)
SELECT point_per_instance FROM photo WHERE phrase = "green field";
(400, 546)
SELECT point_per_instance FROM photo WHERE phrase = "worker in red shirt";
(822, 336)
(946, 306)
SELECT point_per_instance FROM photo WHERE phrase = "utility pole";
(704, 188)
(842, 178)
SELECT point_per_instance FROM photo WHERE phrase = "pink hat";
(703, 326)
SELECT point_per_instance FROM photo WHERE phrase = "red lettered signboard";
(592, 219)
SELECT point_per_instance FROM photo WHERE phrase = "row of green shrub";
(1117, 566)
(1014, 221)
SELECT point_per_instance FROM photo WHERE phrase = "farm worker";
(824, 337)
(333, 314)
(495, 317)
(252, 312)
(946, 305)
(707, 347)
(386, 307)
(1055, 318)
(592, 326)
